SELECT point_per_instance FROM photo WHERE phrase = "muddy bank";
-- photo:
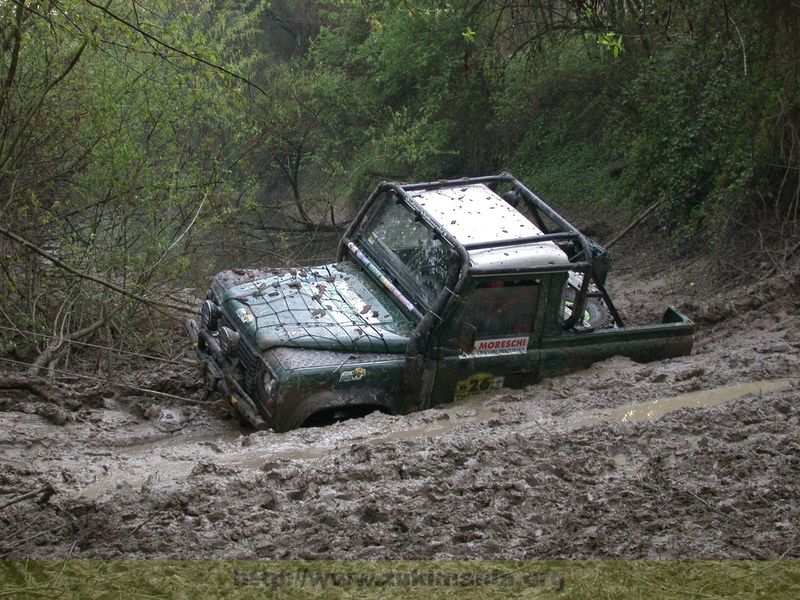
(580, 466)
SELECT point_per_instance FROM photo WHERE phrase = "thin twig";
(114, 383)
(143, 523)
(46, 489)
(741, 40)
(190, 55)
(634, 223)
(542, 427)
(179, 238)
(33, 537)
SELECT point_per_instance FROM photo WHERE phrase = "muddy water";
(164, 461)
(655, 409)
(581, 466)
(650, 411)
(167, 461)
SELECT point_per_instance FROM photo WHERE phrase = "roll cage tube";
(457, 279)
(538, 207)
(454, 285)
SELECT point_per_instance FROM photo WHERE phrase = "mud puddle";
(650, 411)
(168, 461)
(655, 409)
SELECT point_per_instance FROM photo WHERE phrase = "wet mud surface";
(696, 457)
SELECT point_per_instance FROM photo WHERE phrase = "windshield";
(406, 250)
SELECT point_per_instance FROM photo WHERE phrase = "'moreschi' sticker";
(501, 345)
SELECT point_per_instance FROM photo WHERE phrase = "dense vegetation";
(132, 130)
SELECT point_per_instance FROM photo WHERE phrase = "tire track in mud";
(154, 465)
(708, 482)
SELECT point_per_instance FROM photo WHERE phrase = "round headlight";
(228, 340)
(267, 389)
(209, 315)
(268, 383)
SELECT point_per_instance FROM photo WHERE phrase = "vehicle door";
(490, 340)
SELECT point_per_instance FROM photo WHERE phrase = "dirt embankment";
(697, 457)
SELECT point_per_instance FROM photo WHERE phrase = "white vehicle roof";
(474, 214)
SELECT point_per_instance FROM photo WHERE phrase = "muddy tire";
(595, 315)
(599, 317)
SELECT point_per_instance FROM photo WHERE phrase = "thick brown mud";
(696, 457)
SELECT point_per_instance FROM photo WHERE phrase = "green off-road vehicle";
(440, 290)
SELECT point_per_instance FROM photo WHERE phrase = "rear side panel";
(570, 351)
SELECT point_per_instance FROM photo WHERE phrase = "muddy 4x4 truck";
(440, 290)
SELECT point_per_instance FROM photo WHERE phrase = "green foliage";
(118, 151)
(128, 136)
(611, 42)
(685, 140)
(412, 57)
(469, 35)
(559, 142)
(686, 115)
(8, 347)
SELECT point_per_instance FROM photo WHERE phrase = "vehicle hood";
(331, 307)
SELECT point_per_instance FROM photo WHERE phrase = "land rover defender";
(439, 290)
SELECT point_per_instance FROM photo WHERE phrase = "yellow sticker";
(354, 375)
(478, 382)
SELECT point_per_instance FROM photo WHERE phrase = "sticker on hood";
(244, 314)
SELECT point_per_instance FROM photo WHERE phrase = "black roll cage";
(454, 286)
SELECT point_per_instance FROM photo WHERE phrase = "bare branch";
(120, 290)
(190, 55)
(46, 491)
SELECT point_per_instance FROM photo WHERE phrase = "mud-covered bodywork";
(330, 307)
(301, 333)
(440, 290)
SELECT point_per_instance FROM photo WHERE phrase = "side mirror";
(466, 338)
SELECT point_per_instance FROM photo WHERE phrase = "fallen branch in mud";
(46, 491)
(41, 388)
(634, 223)
(38, 387)
(33, 537)
(47, 357)
(64, 396)
(787, 255)
(155, 513)
(120, 290)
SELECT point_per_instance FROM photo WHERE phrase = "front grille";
(248, 357)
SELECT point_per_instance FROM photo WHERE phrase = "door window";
(502, 314)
